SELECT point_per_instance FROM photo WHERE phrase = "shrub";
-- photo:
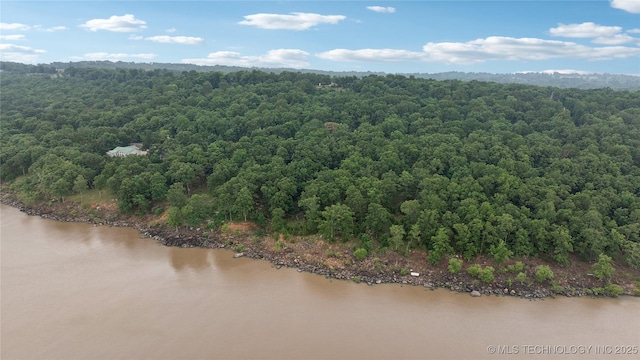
(240, 248)
(543, 272)
(365, 242)
(455, 265)
(404, 271)
(486, 274)
(521, 277)
(360, 253)
(377, 264)
(278, 246)
(474, 270)
(517, 267)
(613, 290)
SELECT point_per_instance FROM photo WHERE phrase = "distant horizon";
(496, 37)
(544, 72)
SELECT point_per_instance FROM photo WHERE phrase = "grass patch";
(93, 196)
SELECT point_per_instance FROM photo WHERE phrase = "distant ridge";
(561, 79)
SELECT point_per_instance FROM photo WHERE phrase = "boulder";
(475, 293)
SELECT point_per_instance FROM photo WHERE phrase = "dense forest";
(391, 161)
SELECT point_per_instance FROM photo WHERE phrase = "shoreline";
(334, 261)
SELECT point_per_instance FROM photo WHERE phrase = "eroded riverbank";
(336, 261)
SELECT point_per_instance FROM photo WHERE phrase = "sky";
(594, 36)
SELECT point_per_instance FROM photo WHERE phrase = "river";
(78, 291)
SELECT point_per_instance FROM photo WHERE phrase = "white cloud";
(55, 28)
(376, 55)
(507, 48)
(17, 53)
(13, 26)
(115, 56)
(632, 6)
(382, 9)
(481, 50)
(136, 37)
(293, 21)
(12, 37)
(51, 29)
(124, 23)
(275, 58)
(563, 71)
(172, 30)
(584, 30)
(616, 39)
(633, 31)
(606, 35)
(186, 40)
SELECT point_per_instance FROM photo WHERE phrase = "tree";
(378, 219)
(277, 220)
(174, 217)
(411, 208)
(185, 173)
(311, 212)
(603, 269)
(414, 236)
(243, 203)
(337, 220)
(197, 209)
(562, 242)
(158, 187)
(441, 246)
(500, 252)
(397, 235)
(176, 195)
(80, 184)
(60, 188)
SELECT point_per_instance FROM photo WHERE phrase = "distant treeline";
(390, 161)
(562, 80)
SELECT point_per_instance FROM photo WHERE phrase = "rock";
(513, 292)
(238, 255)
(506, 290)
(378, 281)
(475, 293)
(413, 273)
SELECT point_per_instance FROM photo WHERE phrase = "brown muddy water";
(77, 291)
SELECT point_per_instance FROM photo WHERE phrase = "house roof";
(123, 149)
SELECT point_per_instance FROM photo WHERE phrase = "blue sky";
(601, 36)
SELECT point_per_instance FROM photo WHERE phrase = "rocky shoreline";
(245, 245)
